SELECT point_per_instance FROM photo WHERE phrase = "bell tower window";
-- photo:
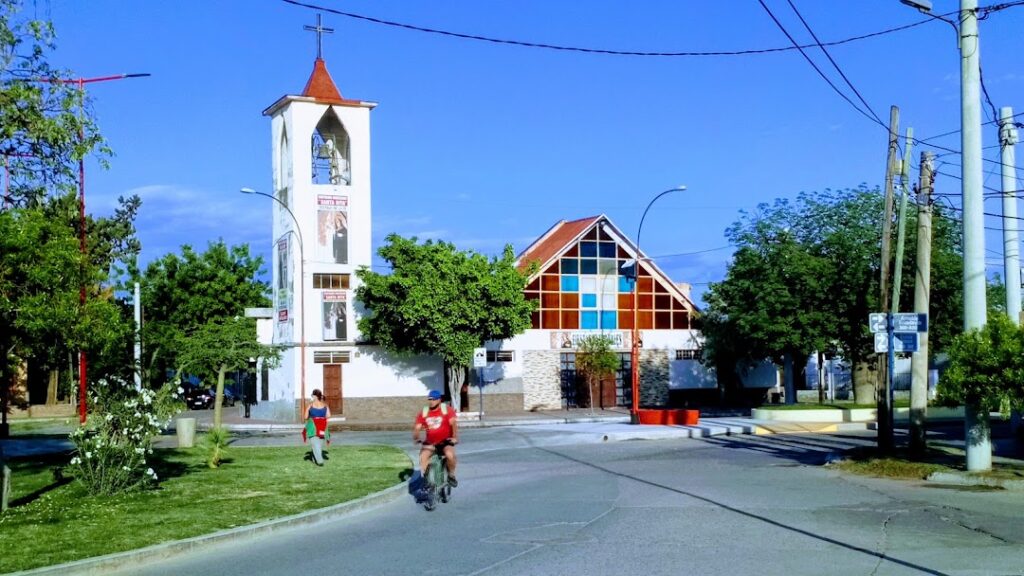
(332, 151)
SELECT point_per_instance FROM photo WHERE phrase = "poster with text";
(283, 290)
(332, 229)
(335, 316)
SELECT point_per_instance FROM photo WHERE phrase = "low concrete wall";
(496, 403)
(851, 415)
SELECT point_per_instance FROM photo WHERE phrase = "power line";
(603, 51)
(690, 253)
(834, 64)
(818, 70)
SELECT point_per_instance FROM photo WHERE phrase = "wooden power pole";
(922, 288)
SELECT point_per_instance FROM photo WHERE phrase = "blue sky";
(484, 144)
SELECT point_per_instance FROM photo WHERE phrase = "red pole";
(634, 409)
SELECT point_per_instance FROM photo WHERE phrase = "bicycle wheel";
(436, 482)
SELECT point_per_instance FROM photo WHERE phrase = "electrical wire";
(603, 51)
(818, 70)
(834, 63)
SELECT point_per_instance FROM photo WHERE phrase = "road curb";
(119, 560)
(967, 479)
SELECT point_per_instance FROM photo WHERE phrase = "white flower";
(76, 460)
(109, 417)
(125, 467)
(88, 455)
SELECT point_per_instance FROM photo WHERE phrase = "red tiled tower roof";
(321, 86)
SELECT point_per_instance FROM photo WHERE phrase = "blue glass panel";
(570, 266)
(589, 301)
(625, 284)
(608, 319)
(588, 266)
(606, 250)
(570, 283)
(588, 249)
(588, 320)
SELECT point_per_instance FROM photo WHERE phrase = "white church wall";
(376, 372)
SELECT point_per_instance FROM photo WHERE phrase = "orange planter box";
(669, 417)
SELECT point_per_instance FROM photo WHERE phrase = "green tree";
(839, 235)
(45, 126)
(439, 300)
(181, 294)
(219, 346)
(986, 367)
(772, 301)
(41, 275)
(596, 360)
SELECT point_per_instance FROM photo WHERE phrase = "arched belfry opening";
(332, 151)
(284, 161)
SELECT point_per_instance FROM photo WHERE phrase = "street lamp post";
(81, 82)
(302, 296)
(634, 409)
(978, 447)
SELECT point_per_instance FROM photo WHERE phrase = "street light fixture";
(302, 295)
(634, 409)
(81, 82)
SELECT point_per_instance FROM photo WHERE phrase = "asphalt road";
(536, 502)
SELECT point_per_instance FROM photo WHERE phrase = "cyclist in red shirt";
(442, 432)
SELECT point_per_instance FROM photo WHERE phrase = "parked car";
(202, 398)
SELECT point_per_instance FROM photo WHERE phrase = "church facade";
(321, 221)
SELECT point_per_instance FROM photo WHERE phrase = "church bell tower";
(321, 231)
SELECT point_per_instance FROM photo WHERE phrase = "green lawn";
(53, 522)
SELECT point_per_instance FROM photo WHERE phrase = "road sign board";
(902, 342)
(876, 321)
(479, 357)
(910, 322)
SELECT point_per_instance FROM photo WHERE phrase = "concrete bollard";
(186, 428)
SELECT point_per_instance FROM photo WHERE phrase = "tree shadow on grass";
(35, 464)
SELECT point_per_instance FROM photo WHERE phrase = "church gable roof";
(565, 234)
(554, 242)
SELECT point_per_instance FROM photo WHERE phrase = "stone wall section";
(542, 381)
(654, 378)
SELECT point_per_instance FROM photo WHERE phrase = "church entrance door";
(332, 387)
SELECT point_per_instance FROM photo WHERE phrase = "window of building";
(500, 355)
(587, 288)
(689, 354)
(331, 357)
(331, 281)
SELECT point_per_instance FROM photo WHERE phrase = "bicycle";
(437, 487)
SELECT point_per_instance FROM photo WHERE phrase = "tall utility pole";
(897, 286)
(881, 395)
(976, 425)
(922, 290)
(1011, 245)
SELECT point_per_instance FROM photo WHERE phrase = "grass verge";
(900, 465)
(54, 521)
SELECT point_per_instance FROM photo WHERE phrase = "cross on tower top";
(320, 30)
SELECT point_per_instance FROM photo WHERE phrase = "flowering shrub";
(111, 448)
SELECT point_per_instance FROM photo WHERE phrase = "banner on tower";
(335, 315)
(332, 229)
(283, 290)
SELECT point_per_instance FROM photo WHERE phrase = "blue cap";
(434, 395)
